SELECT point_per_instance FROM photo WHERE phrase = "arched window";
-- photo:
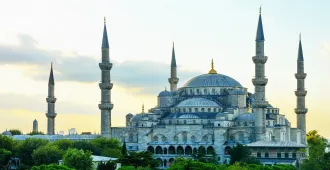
(155, 139)
(213, 91)
(203, 109)
(190, 110)
(209, 110)
(188, 150)
(214, 109)
(159, 150)
(205, 91)
(191, 91)
(197, 91)
(171, 150)
(151, 149)
(268, 123)
(196, 109)
(184, 121)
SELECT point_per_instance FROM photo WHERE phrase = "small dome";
(165, 93)
(129, 115)
(197, 102)
(6, 133)
(245, 117)
(212, 80)
(139, 117)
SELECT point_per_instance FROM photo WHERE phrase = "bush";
(48, 154)
(110, 165)
(25, 149)
(114, 153)
(4, 157)
(78, 159)
(6, 142)
(51, 167)
(15, 132)
(63, 144)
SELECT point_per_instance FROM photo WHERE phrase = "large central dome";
(212, 80)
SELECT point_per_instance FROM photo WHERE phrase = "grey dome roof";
(7, 133)
(212, 80)
(245, 117)
(139, 117)
(165, 93)
(197, 102)
(195, 115)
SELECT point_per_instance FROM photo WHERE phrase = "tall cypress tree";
(124, 149)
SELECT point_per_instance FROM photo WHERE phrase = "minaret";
(105, 85)
(301, 110)
(51, 104)
(259, 82)
(173, 80)
(35, 126)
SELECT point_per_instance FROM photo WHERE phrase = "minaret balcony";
(301, 111)
(260, 104)
(105, 66)
(260, 59)
(173, 80)
(51, 99)
(300, 75)
(52, 115)
(260, 81)
(105, 106)
(105, 86)
(300, 93)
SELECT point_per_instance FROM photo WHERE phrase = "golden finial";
(142, 108)
(212, 71)
(249, 108)
(173, 43)
(299, 36)
(260, 10)
(105, 20)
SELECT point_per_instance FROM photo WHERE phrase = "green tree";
(110, 165)
(139, 159)
(36, 133)
(124, 149)
(78, 159)
(318, 159)
(63, 144)
(25, 149)
(51, 167)
(48, 154)
(240, 153)
(6, 142)
(4, 157)
(87, 146)
(15, 132)
(114, 153)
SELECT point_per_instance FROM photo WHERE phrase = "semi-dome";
(212, 80)
(245, 117)
(197, 102)
(165, 93)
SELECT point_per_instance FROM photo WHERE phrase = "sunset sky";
(68, 33)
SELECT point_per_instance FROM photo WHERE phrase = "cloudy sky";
(68, 33)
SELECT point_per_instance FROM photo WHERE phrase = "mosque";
(209, 114)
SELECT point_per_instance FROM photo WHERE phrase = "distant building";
(35, 126)
(61, 132)
(72, 131)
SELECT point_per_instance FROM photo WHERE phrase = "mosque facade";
(210, 113)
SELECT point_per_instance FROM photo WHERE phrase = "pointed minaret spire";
(51, 114)
(301, 93)
(105, 42)
(259, 81)
(173, 80)
(300, 51)
(260, 31)
(173, 61)
(143, 109)
(105, 85)
(51, 75)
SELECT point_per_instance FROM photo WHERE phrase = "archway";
(227, 148)
(171, 150)
(201, 150)
(194, 151)
(210, 150)
(151, 149)
(160, 162)
(170, 161)
(159, 150)
(165, 150)
(188, 150)
(165, 163)
(180, 150)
